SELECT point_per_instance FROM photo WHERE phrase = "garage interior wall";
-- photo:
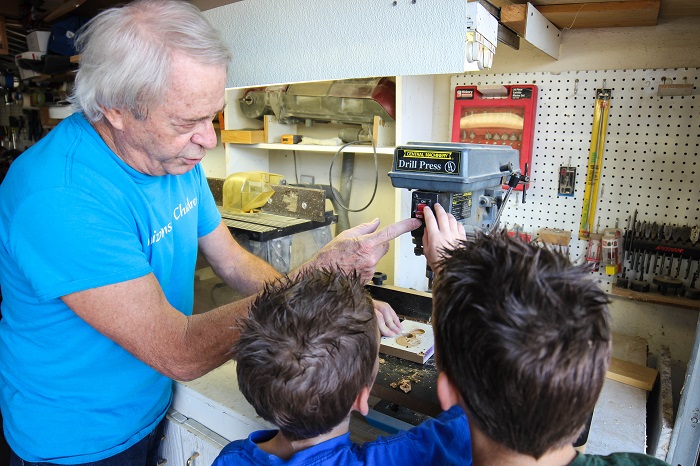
(672, 44)
(669, 45)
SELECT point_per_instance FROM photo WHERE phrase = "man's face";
(177, 132)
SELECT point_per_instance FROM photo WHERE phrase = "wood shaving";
(414, 377)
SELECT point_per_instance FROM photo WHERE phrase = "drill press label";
(425, 154)
(462, 206)
(426, 161)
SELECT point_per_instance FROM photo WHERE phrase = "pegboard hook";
(575, 86)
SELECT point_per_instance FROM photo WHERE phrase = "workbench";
(619, 418)
(215, 404)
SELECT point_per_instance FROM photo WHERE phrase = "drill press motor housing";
(465, 179)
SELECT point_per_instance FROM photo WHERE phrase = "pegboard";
(650, 159)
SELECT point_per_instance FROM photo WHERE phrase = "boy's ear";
(361, 404)
(447, 392)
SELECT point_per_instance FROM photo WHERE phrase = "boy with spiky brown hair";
(522, 343)
(307, 357)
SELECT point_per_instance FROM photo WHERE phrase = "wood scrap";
(404, 384)
(416, 342)
(632, 374)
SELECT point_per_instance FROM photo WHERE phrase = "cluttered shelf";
(360, 149)
(284, 136)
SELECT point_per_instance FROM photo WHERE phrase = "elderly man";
(100, 225)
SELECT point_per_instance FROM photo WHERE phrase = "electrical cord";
(376, 176)
(296, 173)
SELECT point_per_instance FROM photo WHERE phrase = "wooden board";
(242, 136)
(656, 298)
(515, 17)
(632, 374)
(669, 8)
(599, 15)
(402, 346)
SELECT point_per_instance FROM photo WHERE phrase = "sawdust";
(404, 384)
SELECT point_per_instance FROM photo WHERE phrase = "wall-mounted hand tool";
(658, 253)
(692, 292)
(525, 180)
(666, 283)
(639, 284)
(567, 181)
(595, 161)
(611, 247)
(593, 251)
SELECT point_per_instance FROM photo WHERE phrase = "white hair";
(126, 52)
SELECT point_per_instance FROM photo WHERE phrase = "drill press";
(467, 180)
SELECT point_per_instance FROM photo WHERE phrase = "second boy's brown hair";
(524, 336)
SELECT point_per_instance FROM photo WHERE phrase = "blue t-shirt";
(74, 216)
(444, 440)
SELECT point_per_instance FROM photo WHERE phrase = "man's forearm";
(249, 275)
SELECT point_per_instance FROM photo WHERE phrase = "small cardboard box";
(38, 40)
(24, 73)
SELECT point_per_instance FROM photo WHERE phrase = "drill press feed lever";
(465, 179)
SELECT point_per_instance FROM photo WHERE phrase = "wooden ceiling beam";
(601, 15)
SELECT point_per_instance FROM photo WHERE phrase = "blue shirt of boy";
(443, 440)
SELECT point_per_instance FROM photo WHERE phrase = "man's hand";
(389, 322)
(360, 248)
(442, 231)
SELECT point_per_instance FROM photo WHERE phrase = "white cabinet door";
(188, 443)
(199, 448)
(170, 445)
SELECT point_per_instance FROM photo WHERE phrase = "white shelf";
(361, 149)
(414, 94)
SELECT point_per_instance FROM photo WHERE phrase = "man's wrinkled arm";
(240, 269)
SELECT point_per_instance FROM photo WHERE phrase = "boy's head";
(307, 350)
(523, 338)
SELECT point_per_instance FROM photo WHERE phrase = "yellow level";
(595, 162)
